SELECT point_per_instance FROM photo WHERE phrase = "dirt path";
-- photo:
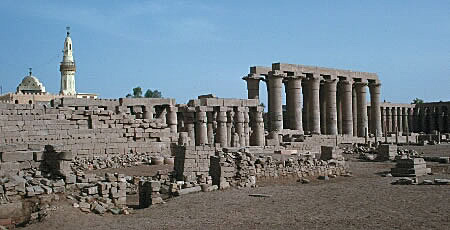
(365, 201)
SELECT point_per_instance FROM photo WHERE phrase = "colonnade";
(228, 126)
(329, 104)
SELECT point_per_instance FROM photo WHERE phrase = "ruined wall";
(87, 128)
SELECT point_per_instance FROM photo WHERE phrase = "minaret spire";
(67, 68)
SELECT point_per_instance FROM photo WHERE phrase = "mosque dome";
(30, 84)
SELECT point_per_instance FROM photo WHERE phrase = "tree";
(137, 92)
(417, 101)
(152, 94)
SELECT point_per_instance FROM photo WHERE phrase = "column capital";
(374, 84)
(346, 82)
(360, 84)
(277, 73)
(252, 76)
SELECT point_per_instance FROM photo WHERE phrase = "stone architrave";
(347, 106)
(314, 104)
(276, 106)
(361, 92)
(374, 89)
(294, 104)
(331, 117)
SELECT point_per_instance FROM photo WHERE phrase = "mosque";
(32, 91)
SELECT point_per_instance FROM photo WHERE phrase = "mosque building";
(32, 91)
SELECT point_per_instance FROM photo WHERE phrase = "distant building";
(32, 91)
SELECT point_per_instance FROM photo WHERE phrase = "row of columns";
(323, 101)
(418, 119)
(227, 126)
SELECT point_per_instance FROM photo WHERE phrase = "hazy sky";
(189, 48)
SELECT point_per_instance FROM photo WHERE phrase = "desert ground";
(367, 200)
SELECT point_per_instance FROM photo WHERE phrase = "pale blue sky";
(188, 48)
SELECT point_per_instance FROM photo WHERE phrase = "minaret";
(67, 68)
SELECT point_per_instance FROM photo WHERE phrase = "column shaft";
(221, 132)
(201, 131)
(323, 108)
(314, 105)
(294, 103)
(361, 92)
(354, 111)
(400, 119)
(347, 107)
(331, 117)
(257, 137)
(276, 101)
(375, 110)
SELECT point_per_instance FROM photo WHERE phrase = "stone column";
(331, 117)
(257, 137)
(239, 125)
(404, 119)
(230, 115)
(276, 100)
(361, 92)
(400, 119)
(323, 108)
(148, 112)
(252, 85)
(201, 131)
(268, 103)
(369, 120)
(221, 132)
(172, 120)
(314, 105)
(246, 127)
(388, 119)
(415, 120)
(432, 115)
(424, 121)
(189, 125)
(210, 117)
(306, 107)
(375, 89)
(441, 119)
(354, 111)
(339, 108)
(347, 106)
(410, 120)
(394, 119)
(383, 119)
(288, 107)
(294, 104)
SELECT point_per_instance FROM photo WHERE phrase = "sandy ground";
(365, 201)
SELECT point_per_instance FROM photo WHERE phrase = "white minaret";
(67, 68)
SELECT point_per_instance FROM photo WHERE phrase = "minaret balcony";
(67, 66)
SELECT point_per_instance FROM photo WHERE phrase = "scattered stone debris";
(405, 181)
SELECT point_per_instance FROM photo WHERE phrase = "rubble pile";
(242, 169)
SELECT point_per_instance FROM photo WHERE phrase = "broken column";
(252, 85)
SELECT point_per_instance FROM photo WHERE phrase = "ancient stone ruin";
(212, 143)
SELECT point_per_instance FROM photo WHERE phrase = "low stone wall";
(85, 131)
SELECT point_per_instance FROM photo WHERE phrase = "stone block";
(17, 156)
